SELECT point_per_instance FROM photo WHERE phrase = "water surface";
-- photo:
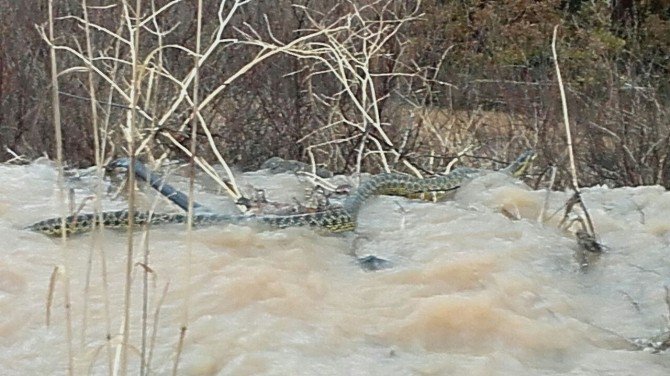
(472, 291)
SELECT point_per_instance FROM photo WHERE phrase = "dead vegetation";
(416, 83)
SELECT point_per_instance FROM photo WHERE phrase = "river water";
(472, 291)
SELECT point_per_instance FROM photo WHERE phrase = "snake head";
(123, 162)
(522, 163)
(141, 170)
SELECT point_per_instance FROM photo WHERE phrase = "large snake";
(336, 219)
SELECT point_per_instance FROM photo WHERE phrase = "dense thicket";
(470, 75)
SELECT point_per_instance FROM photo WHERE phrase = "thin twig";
(50, 293)
(545, 206)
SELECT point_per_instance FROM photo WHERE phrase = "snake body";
(336, 219)
(170, 192)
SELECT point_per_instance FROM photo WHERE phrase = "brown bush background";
(615, 62)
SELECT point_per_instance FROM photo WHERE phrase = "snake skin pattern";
(334, 220)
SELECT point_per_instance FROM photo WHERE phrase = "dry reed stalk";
(154, 85)
(55, 103)
(98, 189)
(545, 206)
(564, 106)
(191, 189)
(146, 270)
(568, 135)
(50, 294)
(132, 119)
(103, 257)
(154, 331)
(145, 297)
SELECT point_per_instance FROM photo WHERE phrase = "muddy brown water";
(471, 292)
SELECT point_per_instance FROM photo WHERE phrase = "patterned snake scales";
(336, 219)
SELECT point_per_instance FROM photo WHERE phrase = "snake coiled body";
(336, 219)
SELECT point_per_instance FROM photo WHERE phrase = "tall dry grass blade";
(55, 103)
(97, 205)
(103, 257)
